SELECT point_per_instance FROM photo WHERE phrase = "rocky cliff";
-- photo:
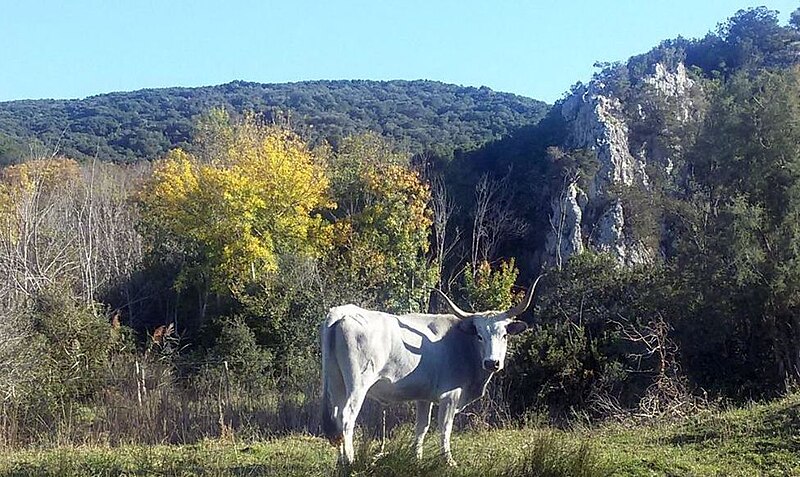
(614, 125)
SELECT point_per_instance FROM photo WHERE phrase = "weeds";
(527, 453)
(549, 457)
(398, 459)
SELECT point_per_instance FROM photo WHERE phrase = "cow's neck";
(477, 384)
(481, 382)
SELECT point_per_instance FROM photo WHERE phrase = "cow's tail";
(332, 381)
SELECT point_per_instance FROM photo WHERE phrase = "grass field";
(757, 440)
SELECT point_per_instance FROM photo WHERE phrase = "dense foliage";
(382, 226)
(259, 193)
(132, 126)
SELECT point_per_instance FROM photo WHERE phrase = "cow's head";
(491, 329)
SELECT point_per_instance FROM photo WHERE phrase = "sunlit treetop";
(252, 192)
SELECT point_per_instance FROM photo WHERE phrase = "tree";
(494, 219)
(489, 289)
(35, 245)
(739, 232)
(443, 207)
(754, 38)
(144, 125)
(258, 192)
(382, 233)
(794, 19)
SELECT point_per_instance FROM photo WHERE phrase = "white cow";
(425, 358)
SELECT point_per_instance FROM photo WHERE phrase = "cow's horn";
(525, 303)
(455, 309)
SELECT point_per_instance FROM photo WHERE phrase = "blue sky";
(73, 49)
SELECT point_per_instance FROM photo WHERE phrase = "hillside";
(682, 166)
(602, 161)
(130, 126)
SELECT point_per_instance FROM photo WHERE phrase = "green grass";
(296, 455)
(753, 441)
(759, 440)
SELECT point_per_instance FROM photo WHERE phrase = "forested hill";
(130, 126)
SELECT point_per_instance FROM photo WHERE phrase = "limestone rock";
(565, 239)
(596, 120)
(610, 237)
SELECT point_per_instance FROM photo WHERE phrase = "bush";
(489, 289)
(236, 344)
(79, 340)
(65, 362)
(583, 347)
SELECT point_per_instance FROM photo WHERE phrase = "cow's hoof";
(450, 462)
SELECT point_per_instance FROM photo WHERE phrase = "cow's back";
(405, 357)
(361, 337)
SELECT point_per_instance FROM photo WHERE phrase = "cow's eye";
(480, 338)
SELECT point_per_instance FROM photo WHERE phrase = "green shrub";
(79, 340)
(490, 289)
(71, 353)
(578, 351)
(236, 345)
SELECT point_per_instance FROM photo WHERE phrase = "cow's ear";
(468, 327)
(516, 327)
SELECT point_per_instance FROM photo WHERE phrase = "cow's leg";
(349, 415)
(336, 395)
(357, 383)
(357, 378)
(423, 423)
(447, 412)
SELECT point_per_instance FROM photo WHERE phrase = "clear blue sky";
(77, 48)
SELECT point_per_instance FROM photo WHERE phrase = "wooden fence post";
(144, 382)
(227, 387)
(138, 383)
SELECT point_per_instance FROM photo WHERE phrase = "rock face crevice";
(564, 239)
(600, 121)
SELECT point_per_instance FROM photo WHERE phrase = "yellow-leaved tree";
(246, 194)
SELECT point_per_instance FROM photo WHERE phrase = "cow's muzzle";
(491, 365)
